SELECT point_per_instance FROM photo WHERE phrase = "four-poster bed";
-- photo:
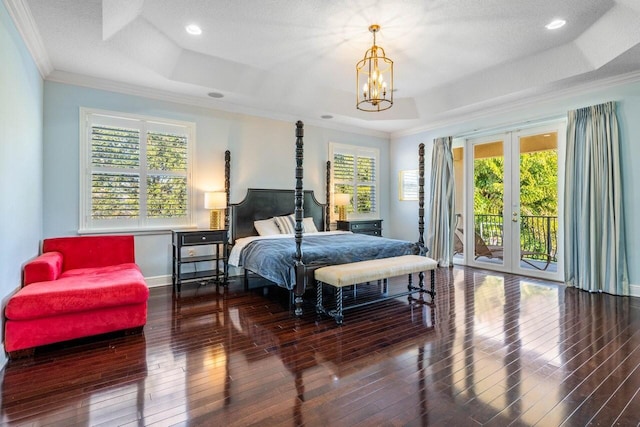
(290, 260)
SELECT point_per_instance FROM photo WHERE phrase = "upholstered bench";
(354, 273)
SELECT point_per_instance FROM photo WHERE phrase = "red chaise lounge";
(78, 287)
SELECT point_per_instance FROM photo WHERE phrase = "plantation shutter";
(137, 173)
(344, 175)
(366, 181)
(166, 177)
(115, 177)
(354, 172)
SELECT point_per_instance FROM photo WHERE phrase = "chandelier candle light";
(374, 78)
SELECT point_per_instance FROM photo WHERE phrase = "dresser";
(372, 227)
(199, 255)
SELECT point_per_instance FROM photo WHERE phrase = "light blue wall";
(262, 156)
(403, 215)
(21, 92)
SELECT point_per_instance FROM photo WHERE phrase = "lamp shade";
(215, 200)
(342, 199)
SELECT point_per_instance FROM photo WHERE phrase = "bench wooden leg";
(432, 292)
(319, 306)
(338, 315)
(421, 288)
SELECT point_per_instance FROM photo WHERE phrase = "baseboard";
(156, 281)
(634, 290)
(3, 360)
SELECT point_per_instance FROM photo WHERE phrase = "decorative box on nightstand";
(362, 226)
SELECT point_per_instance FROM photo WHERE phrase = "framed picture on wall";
(408, 185)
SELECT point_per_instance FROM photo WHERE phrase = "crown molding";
(24, 22)
(195, 101)
(520, 101)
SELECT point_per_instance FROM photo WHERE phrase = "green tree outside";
(538, 197)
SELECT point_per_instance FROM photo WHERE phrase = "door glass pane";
(488, 201)
(539, 201)
(458, 173)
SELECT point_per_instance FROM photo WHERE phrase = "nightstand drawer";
(365, 226)
(370, 232)
(203, 237)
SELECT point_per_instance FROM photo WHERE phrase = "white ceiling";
(296, 58)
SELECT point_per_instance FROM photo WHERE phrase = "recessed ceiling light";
(555, 24)
(193, 29)
(326, 116)
(215, 95)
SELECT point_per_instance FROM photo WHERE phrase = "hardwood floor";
(496, 350)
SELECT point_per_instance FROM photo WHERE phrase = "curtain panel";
(441, 203)
(595, 254)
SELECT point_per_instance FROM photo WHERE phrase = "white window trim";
(358, 149)
(141, 225)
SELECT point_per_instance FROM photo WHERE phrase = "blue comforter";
(274, 259)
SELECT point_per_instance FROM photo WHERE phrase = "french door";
(512, 221)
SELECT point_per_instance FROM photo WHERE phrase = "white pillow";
(309, 226)
(286, 224)
(266, 227)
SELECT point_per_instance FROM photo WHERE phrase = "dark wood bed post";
(421, 199)
(227, 186)
(327, 207)
(227, 214)
(299, 214)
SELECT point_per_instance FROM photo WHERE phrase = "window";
(408, 185)
(135, 172)
(355, 171)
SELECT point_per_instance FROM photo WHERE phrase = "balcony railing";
(538, 237)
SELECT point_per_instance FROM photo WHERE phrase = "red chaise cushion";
(79, 291)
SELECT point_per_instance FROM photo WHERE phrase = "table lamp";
(342, 200)
(217, 202)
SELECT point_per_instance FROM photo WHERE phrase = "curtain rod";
(513, 127)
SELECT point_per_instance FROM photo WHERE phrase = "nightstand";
(372, 227)
(204, 252)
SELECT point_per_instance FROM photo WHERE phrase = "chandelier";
(374, 78)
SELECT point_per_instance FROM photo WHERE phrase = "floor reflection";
(70, 383)
(260, 336)
(495, 349)
(511, 339)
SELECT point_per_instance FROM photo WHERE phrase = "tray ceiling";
(291, 58)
